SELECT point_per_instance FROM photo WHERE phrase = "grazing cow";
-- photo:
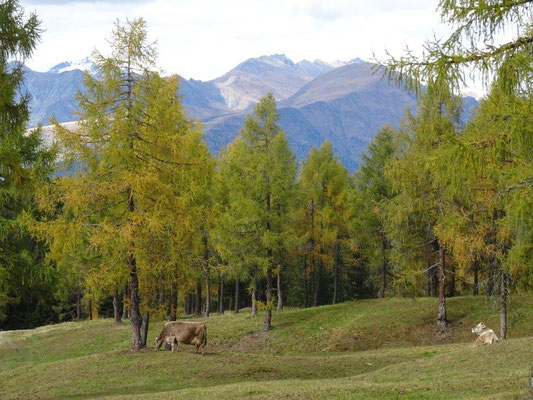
(486, 336)
(175, 332)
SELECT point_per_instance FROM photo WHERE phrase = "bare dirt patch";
(251, 342)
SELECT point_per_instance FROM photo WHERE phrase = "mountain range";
(343, 102)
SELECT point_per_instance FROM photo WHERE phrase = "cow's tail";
(205, 336)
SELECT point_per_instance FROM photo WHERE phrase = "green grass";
(374, 349)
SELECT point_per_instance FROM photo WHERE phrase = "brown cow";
(175, 332)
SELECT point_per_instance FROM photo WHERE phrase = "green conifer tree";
(24, 165)
(373, 192)
(325, 184)
(261, 170)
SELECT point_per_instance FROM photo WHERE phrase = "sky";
(203, 39)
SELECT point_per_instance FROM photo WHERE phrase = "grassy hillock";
(373, 349)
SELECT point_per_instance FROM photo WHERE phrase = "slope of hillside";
(309, 354)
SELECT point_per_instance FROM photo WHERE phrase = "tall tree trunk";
(254, 296)
(435, 281)
(335, 283)
(116, 312)
(206, 272)
(237, 299)
(78, 304)
(198, 306)
(492, 268)
(337, 273)
(280, 292)
(190, 304)
(125, 303)
(306, 284)
(135, 313)
(144, 328)
(316, 284)
(231, 294)
(383, 285)
(452, 281)
(207, 295)
(135, 317)
(441, 316)
(221, 296)
(503, 306)
(90, 310)
(173, 302)
(161, 297)
(475, 270)
(428, 278)
(268, 317)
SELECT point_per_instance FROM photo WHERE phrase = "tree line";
(129, 214)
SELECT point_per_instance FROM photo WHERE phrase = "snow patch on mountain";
(340, 63)
(85, 64)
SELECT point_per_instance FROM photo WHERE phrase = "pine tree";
(24, 165)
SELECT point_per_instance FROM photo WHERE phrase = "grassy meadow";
(371, 349)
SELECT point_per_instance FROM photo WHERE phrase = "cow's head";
(157, 343)
(479, 328)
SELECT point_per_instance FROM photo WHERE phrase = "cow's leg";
(197, 348)
(174, 343)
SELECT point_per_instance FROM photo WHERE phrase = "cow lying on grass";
(486, 336)
(175, 332)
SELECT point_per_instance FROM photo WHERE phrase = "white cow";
(486, 336)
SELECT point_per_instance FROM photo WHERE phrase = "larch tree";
(473, 49)
(325, 183)
(419, 198)
(237, 233)
(139, 162)
(262, 172)
(373, 192)
(493, 172)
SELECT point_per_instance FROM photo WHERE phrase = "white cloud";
(203, 39)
